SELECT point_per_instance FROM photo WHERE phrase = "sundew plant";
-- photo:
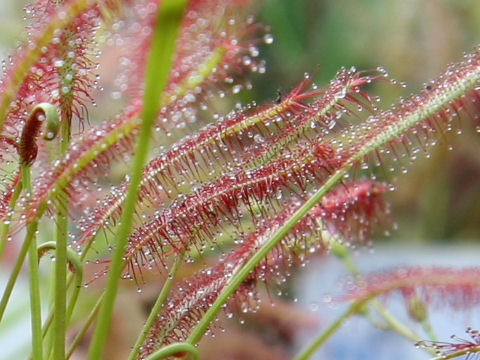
(175, 190)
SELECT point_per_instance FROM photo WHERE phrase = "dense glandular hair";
(238, 181)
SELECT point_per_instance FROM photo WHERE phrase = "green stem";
(316, 343)
(427, 327)
(75, 261)
(452, 355)
(60, 285)
(19, 262)
(5, 225)
(170, 14)
(35, 306)
(174, 349)
(79, 337)
(395, 324)
(35, 303)
(156, 307)
(341, 251)
(16, 270)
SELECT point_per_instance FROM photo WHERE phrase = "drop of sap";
(116, 95)
(236, 89)
(258, 138)
(58, 63)
(382, 71)
(246, 61)
(327, 298)
(268, 39)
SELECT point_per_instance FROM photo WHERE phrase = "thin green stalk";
(73, 257)
(75, 261)
(35, 303)
(395, 324)
(170, 14)
(35, 306)
(20, 259)
(5, 224)
(341, 251)
(156, 307)
(79, 337)
(17, 267)
(173, 349)
(60, 287)
(452, 355)
(427, 327)
(355, 307)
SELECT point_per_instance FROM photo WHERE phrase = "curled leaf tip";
(40, 114)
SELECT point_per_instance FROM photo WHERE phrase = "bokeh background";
(437, 203)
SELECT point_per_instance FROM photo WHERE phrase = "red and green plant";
(257, 191)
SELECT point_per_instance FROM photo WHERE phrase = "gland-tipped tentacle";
(451, 349)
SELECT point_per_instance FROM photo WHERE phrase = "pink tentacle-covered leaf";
(192, 297)
(92, 153)
(440, 286)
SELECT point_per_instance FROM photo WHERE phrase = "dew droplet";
(236, 89)
(268, 38)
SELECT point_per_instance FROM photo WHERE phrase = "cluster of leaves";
(271, 185)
